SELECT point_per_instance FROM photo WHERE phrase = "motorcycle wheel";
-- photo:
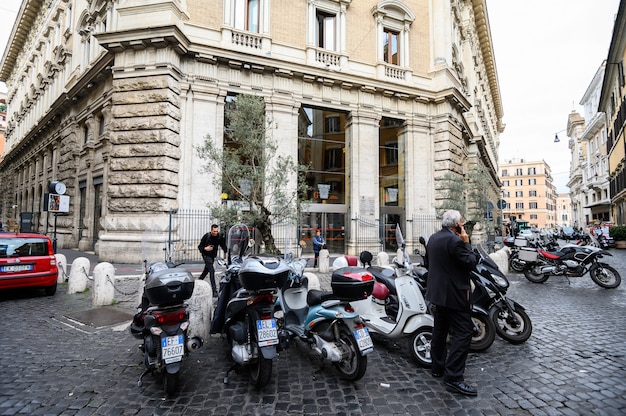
(484, 332)
(605, 276)
(170, 383)
(507, 328)
(420, 346)
(514, 263)
(530, 273)
(260, 368)
(353, 365)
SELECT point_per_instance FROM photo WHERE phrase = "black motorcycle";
(489, 293)
(484, 329)
(520, 248)
(572, 261)
(245, 307)
(162, 322)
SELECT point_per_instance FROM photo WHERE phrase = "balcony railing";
(247, 39)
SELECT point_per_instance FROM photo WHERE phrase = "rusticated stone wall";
(145, 154)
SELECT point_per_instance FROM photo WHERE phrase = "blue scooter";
(325, 320)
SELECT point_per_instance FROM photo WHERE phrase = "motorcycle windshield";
(484, 257)
(154, 248)
(402, 246)
(238, 241)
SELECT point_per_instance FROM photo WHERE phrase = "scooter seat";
(385, 276)
(315, 297)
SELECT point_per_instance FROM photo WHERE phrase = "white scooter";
(396, 308)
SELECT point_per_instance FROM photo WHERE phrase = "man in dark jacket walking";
(450, 260)
(208, 248)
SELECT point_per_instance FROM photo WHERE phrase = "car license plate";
(363, 340)
(172, 348)
(17, 267)
(267, 333)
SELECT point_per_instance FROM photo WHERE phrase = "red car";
(27, 261)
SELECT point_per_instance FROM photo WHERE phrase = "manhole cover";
(100, 317)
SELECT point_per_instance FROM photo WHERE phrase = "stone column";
(362, 163)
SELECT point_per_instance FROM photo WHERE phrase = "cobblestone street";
(573, 364)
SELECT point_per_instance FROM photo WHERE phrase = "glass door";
(332, 226)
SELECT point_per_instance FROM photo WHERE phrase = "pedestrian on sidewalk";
(209, 245)
(318, 244)
(450, 261)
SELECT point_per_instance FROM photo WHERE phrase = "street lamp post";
(556, 135)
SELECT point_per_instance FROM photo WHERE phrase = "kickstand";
(232, 367)
(140, 382)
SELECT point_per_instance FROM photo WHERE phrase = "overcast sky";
(547, 52)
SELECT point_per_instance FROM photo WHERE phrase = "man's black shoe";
(461, 387)
(437, 375)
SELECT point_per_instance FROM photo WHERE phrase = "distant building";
(563, 210)
(529, 192)
(578, 152)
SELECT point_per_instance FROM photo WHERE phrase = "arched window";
(393, 22)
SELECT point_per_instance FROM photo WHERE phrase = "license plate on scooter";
(172, 349)
(363, 340)
(267, 333)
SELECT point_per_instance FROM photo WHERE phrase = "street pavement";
(573, 364)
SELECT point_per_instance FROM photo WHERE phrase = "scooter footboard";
(418, 321)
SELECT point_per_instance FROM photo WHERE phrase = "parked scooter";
(489, 286)
(383, 312)
(327, 321)
(484, 329)
(245, 307)
(163, 319)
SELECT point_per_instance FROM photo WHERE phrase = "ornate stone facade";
(112, 97)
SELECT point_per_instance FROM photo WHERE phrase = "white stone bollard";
(501, 259)
(324, 261)
(62, 266)
(200, 309)
(103, 286)
(314, 281)
(79, 274)
(382, 259)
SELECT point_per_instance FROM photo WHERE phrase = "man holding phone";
(208, 246)
(450, 260)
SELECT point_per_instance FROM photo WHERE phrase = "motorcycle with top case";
(572, 261)
(162, 320)
(385, 314)
(245, 307)
(327, 321)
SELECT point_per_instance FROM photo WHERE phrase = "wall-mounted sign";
(56, 203)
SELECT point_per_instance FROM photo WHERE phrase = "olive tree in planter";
(619, 234)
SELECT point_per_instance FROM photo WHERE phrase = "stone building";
(529, 192)
(593, 198)
(111, 97)
(613, 103)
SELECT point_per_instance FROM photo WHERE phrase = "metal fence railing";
(424, 225)
(367, 235)
(186, 228)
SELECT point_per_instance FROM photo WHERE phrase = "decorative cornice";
(486, 47)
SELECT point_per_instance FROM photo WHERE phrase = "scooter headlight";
(499, 280)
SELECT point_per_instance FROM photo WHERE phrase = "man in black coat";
(208, 248)
(450, 260)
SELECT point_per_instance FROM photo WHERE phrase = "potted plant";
(619, 234)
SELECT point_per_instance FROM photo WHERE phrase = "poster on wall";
(57, 203)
